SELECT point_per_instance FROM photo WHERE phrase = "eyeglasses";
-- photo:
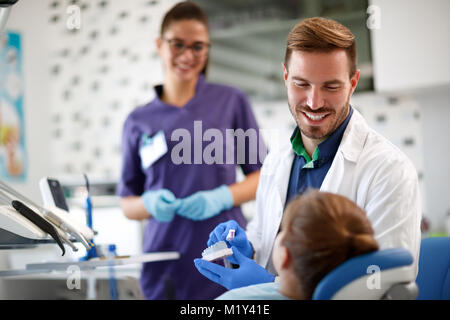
(199, 49)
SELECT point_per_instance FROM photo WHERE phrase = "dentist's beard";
(335, 118)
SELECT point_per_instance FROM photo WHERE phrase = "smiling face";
(188, 64)
(319, 88)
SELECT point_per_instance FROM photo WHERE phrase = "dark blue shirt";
(307, 173)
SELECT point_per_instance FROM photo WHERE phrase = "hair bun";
(361, 243)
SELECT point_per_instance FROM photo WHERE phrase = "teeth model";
(217, 251)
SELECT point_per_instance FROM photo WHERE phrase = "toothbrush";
(230, 236)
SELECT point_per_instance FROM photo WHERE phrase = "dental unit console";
(24, 223)
(52, 193)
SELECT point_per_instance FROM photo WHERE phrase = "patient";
(319, 231)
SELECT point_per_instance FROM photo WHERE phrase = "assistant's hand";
(248, 273)
(240, 240)
(206, 204)
(161, 204)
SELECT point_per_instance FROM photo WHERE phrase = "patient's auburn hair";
(322, 230)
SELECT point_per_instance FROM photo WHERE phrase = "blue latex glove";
(240, 240)
(206, 204)
(161, 204)
(248, 273)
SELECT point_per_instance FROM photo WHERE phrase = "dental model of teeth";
(217, 251)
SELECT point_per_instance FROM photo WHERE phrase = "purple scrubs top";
(219, 107)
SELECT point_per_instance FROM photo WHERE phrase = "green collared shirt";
(299, 149)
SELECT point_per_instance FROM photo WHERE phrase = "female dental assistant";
(165, 179)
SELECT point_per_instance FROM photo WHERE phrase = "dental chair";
(434, 269)
(385, 274)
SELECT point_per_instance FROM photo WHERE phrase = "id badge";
(152, 149)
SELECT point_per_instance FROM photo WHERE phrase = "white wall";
(410, 47)
(435, 114)
(28, 17)
(410, 57)
(107, 67)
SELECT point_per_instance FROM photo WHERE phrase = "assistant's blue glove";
(240, 240)
(206, 204)
(248, 273)
(161, 204)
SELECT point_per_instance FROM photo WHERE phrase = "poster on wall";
(12, 125)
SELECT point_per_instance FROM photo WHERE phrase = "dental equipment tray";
(9, 240)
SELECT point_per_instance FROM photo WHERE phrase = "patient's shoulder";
(263, 291)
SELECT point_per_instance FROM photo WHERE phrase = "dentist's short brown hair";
(321, 35)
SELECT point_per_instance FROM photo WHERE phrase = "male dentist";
(332, 149)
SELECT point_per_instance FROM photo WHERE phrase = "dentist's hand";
(240, 240)
(248, 273)
(206, 204)
(161, 204)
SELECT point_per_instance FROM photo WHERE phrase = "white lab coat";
(367, 169)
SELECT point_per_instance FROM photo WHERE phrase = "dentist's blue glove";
(240, 240)
(248, 273)
(206, 204)
(161, 204)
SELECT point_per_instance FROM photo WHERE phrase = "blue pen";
(92, 253)
(113, 293)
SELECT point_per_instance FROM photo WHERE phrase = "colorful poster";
(12, 124)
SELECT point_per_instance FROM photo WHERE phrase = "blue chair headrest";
(433, 278)
(358, 267)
